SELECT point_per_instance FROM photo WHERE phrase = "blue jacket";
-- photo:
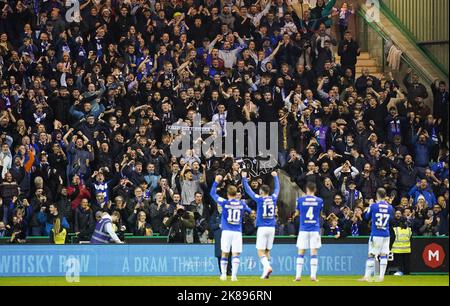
(44, 218)
(422, 152)
(439, 170)
(428, 194)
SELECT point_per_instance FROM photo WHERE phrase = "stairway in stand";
(365, 61)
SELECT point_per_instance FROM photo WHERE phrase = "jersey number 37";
(381, 220)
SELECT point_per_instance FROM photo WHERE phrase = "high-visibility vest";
(60, 238)
(402, 243)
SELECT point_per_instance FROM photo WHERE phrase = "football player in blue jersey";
(381, 213)
(266, 205)
(233, 211)
(309, 208)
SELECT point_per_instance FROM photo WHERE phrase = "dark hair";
(311, 187)
(265, 189)
(381, 193)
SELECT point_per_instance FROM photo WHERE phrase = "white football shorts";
(265, 238)
(379, 245)
(231, 241)
(309, 240)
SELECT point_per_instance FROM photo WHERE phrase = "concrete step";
(362, 56)
(371, 69)
(420, 62)
(367, 63)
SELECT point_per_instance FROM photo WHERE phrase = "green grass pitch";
(412, 280)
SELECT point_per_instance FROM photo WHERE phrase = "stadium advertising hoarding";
(166, 260)
(430, 255)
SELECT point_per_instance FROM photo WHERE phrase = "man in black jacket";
(158, 211)
(64, 206)
(414, 88)
(408, 173)
(440, 104)
(349, 51)
(179, 223)
(84, 221)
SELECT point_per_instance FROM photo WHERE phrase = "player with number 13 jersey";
(266, 219)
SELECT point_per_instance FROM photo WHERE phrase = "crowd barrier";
(337, 257)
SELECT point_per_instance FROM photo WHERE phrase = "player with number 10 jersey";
(233, 211)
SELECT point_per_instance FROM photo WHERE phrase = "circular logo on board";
(433, 255)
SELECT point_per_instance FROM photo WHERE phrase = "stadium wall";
(428, 21)
(337, 257)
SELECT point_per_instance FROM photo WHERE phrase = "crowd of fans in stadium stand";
(85, 106)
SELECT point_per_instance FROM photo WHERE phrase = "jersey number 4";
(310, 213)
(382, 220)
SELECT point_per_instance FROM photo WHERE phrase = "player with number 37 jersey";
(381, 214)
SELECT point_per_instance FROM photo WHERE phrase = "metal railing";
(404, 56)
(407, 33)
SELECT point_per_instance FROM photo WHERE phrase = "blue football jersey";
(381, 214)
(232, 211)
(309, 208)
(265, 206)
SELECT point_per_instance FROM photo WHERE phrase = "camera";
(201, 225)
(182, 213)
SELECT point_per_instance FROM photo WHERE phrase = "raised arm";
(213, 43)
(185, 167)
(276, 190)
(355, 172)
(182, 66)
(247, 188)
(275, 51)
(337, 172)
(213, 192)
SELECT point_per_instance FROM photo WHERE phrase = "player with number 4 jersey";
(265, 219)
(381, 214)
(309, 208)
(233, 211)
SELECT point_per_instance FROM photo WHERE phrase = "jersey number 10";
(234, 216)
